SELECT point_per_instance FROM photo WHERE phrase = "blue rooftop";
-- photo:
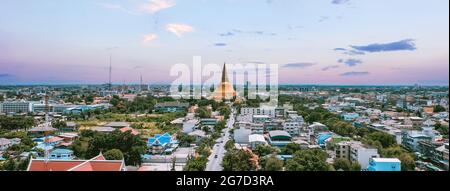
(160, 140)
(323, 137)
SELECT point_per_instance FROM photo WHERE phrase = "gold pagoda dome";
(225, 90)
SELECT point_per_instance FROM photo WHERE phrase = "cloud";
(355, 74)
(226, 34)
(340, 2)
(407, 44)
(154, 6)
(349, 52)
(255, 32)
(179, 29)
(299, 65)
(340, 49)
(350, 62)
(220, 44)
(149, 38)
(330, 67)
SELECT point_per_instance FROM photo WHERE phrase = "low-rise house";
(4, 144)
(198, 135)
(104, 129)
(350, 116)
(129, 129)
(324, 138)
(189, 126)
(256, 139)
(117, 125)
(160, 144)
(61, 154)
(384, 164)
(70, 126)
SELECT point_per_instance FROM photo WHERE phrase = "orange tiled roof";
(133, 131)
(98, 163)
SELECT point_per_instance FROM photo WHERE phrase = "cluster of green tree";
(309, 160)
(206, 102)
(92, 143)
(139, 104)
(439, 108)
(225, 111)
(199, 161)
(271, 163)
(264, 150)
(16, 122)
(203, 112)
(26, 144)
(185, 140)
(239, 160)
(14, 164)
(346, 165)
(443, 129)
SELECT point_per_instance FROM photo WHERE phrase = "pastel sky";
(348, 42)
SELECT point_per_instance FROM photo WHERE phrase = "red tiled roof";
(99, 157)
(133, 131)
(42, 165)
(53, 139)
(99, 166)
(98, 163)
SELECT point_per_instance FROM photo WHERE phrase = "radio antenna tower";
(110, 72)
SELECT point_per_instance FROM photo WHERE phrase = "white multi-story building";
(270, 111)
(355, 151)
(292, 127)
(16, 107)
(257, 128)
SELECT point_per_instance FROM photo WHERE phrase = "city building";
(61, 154)
(162, 144)
(241, 135)
(355, 151)
(384, 164)
(411, 139)
(260, 118)
(279, 138)
(16, 107)
(269, 111)
(255, 140)
(292, 127)
(350, 116)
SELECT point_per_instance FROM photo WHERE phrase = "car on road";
(215, 156)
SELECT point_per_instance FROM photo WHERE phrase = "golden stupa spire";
(224, 90)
